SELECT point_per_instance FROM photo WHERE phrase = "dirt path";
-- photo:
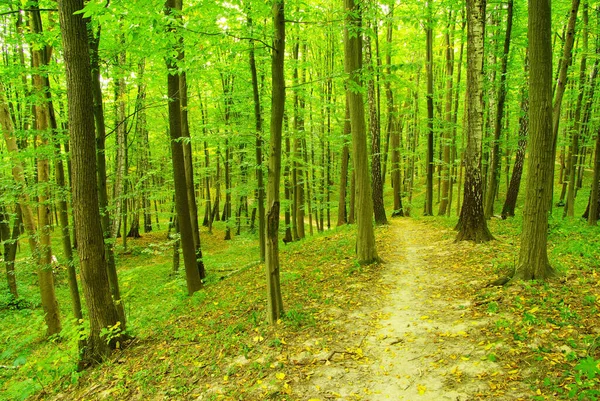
(419, 339)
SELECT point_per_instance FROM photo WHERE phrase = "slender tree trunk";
(342, 215)
(430, 143)
(260, 188)
(494, 170)
(593, 209)
(447, 135)
(472, 225)
(569, 209)
(365, 241)
(10, 246)
(533, 258)
(274, 299)
(193, 279)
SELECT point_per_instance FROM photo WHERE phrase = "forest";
(299, 200)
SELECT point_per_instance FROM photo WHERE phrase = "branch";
(230, 35)
(28, 9)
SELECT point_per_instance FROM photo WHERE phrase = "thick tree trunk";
(193, 279)
(472, 225)
(10, 247)
(274, 299)
(365, 240)
(101, 309)
(533, 258)
(494, 170)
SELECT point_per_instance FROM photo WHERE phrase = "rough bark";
(365, 240)
(274, 299)
(533, 258)
(494, 170)
(472, 225)
(101, 309)
(193, 279)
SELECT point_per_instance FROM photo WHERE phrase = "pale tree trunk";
(298, 168)
(365, 240)
(43, 251)
(274, 299)
(101, 309)
(472, 225)
(193, 280)
(121, 132)
(593, 208)
(533, 257)
(494, 170)
(447, 135)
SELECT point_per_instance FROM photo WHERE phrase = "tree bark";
(494, 170)
(101, 309)
(472, 225)
(193, 279)
(365, 240)
(533, 257)
(274, 299)
(430, 144)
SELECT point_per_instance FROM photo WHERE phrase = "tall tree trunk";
(260, 188)
(274, 299)
(43, 251)
(94, 43)
(365, 240)
(472, 225)
(508, 210)
(561, 85)
(101, 308)
(377, 193)
(494, 170)
(342, 215)
(569, 209)
(10, 246)
(430, 144)
(193, 279)
(447, 135)
(533, 257)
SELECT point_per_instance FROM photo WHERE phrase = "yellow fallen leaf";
(280, 376)
(421, 389)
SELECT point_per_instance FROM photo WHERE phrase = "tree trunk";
(260, 188)
(533, 257)
(274, 299)
(447, 135)
(472, 225)
(593, 208)
(10, 246)
(377, 193)
(430, 144)
(342, 215)
(101, 309)
(508, 210)
(494, 170)
(365, 241)
(193, 279)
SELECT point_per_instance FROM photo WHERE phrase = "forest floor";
(422, 325)
(420, 337)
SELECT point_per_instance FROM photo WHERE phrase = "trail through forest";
(420, 339)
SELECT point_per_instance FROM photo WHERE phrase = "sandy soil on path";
(418, 339)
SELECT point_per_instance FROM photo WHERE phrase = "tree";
(472, 225)
(274, 300)
(533, 257)
(430, 144)
(192, 274)
(101, 309)
(365, 239)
